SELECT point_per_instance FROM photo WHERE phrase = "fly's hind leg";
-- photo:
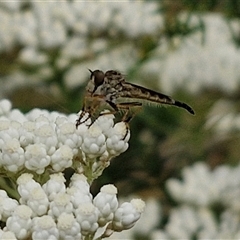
(113, 111)
(128, 107)
(129, 114)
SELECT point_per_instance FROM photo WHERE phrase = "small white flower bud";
(16, 114)
(42, 118)
(105, 122)
(78, 197)
(127, 214)
(107, 203)
(27, 135)
(20, 222)
(68, 227)
(12, 157)
(34, 114)
(7, 207)
(44, 228)
(67, 135)
(54, 185)
(62, 158)
(38, 201)
(45, 134)
(37, 158)
(61, 120)
(61, 203)
(87, 217)
(117, 141)
(5, 106)
(93, 142)
(80, 181)
(11, 132)
(25, 185)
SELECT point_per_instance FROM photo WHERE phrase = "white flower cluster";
(203, 59)
(43, 142)
(46, 24)
(199, 193)
(40, 141)
(187, 222)
(54, 211)
(223, 118)
(39, 26)
(203, 187)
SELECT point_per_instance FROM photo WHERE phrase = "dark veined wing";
(133, 91)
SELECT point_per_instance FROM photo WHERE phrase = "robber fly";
(110, 91)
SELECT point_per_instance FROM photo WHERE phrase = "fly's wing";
(132, 91)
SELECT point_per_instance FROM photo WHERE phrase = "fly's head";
(96, 81)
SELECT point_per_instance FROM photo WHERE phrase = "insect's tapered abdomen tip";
(185, 106)
(191, 110)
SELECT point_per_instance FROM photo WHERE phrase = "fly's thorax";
(112, 89)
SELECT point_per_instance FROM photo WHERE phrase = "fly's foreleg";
(89, 110)
(83, 113)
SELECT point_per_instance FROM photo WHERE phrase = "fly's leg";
(127, 106)
(91, 116)
(112, 105)
(128, 116)
(91, 112)
(79, 122)
(93, 119)
(91, 108)
(83, 112)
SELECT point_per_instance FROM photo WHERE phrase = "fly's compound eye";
(98, 78)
